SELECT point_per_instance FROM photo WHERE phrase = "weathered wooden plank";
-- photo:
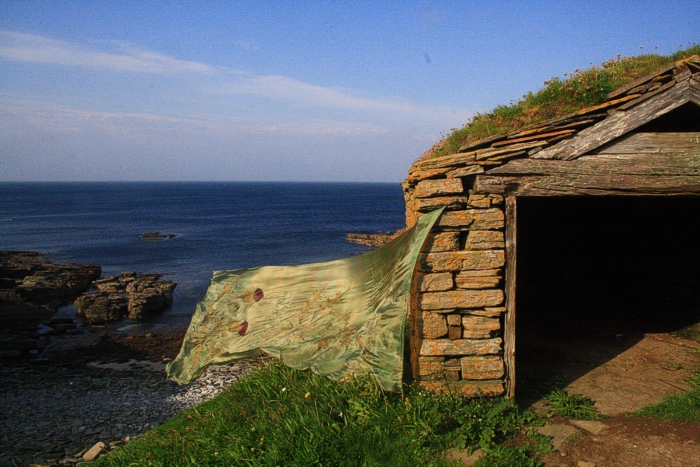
(483, 154)
(608, 164)
(482, 143)
(539, 136)
(642, 80)
(509, 322)
(600, 184)
(558, 123)
(607, 104)
(682, 73)
(618, 124)
(646, 96)
(497, 160)
(654, 143)
(695, 89)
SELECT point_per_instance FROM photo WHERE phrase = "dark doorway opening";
(601, 270)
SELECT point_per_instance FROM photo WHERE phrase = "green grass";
(558, 97)
(279, 416)
(572, 406)
(683, 407)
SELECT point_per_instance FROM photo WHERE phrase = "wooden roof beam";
(623, 122)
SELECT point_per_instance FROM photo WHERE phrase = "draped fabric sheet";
(336, 318)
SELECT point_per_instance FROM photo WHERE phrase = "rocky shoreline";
(53, 414)
(70, 390)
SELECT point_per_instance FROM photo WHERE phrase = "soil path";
(630, 442)
(621, 375)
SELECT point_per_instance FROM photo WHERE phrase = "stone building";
(642, 144)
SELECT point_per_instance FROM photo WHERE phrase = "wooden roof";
(537, 148)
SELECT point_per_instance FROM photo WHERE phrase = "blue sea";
(218, 226)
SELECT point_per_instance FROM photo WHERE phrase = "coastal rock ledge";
(367, 239)
(32, 288)
(126, 296)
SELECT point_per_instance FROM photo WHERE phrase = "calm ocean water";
(218, 226)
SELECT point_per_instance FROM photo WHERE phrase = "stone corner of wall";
(457, 297)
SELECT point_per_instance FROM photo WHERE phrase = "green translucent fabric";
(336, 318)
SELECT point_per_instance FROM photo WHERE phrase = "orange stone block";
(441, 242)
(484, 201)
(430, 204)
(432, 325)
(445, 186)
(477, 219)
(435, 282)
(431, 367)
(477, 282)
(461, 299)
(484, 240)
(446, 347)
(479, 367)
(479, 327)
(462, 260)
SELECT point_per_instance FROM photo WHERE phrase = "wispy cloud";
(18, 113)
(37, 49)
(305, 94)
(127, 57)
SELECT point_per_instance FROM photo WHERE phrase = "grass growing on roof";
(279, 416)
(582, 88)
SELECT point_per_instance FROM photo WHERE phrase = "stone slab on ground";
(559, 433)
(590, 426)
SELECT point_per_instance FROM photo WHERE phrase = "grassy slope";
(583, 88)
(279, 416)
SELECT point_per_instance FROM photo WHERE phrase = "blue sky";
(298, 91)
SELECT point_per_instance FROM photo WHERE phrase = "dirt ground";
(621, 375)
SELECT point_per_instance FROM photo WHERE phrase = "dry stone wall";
(457, 299)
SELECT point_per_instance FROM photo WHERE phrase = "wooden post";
(509, 325)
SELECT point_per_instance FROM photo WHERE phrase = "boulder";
(149, 297)
(102, 307)
(130, 295)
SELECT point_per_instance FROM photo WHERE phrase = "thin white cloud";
(309, 95)
(37, 49)
(32, 48)
(225, 94)
(18, 113)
